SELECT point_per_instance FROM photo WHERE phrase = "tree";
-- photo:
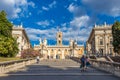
(116, 36)
(8, 44)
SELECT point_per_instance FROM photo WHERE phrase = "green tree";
(116, 36)
(8, 44)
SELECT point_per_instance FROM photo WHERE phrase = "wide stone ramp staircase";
(57, 70)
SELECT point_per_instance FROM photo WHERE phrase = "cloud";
(76, 10)
(33, 37)
(14, 7)
(45, 8)
(31, 4)
(78, 29)
(35, 34)
(43, 23)
(50, 6)
(108, 7)
(71, 8)
(81, 34)
(81, 21)
(64, 24)
(68, 33)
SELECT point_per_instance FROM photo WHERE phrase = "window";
(101, 51)
(110, 41)
(65, 50)
(110, 50)
(52, 49)
(101, 41)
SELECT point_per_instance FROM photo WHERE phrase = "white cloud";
(81, 21)
(14, 7)
(76, 10)
(34, 34)
(31, 4)
(80, 35)
(64, 24)
(78, 29)
(108, 7)
(52, 4)
(43, 23)
(45, 8)
(33, 37)
(71, 8)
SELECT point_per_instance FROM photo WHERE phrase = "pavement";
(57, 70)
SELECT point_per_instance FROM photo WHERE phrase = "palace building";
(100, 40)
(59, 51)
(19, 33)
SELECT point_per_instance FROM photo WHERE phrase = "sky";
(75, 18)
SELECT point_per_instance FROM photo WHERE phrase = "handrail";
(14, 65)
(111, 67)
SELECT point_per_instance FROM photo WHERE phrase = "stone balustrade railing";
(14, 65)
(107, 66)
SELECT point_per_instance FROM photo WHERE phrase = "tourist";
(82, 60)
(87, 62)
(37, 59)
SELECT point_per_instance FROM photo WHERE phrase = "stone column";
(106, 50)
(105, 45)
(49, 53)
(63, 57)
(96, 44)
(54, 54)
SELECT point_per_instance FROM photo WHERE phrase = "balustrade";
(14, 65)
(112, 67)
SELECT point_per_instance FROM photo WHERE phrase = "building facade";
(100, 40)
(19, 33)
(59, 51)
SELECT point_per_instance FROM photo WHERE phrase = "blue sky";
(75, 18)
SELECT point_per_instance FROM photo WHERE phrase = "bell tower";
(59, 38)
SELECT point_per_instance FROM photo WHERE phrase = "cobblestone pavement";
(57, 70)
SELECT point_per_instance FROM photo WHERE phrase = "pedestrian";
(37, 59)
(87, 62)
(82, 66)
